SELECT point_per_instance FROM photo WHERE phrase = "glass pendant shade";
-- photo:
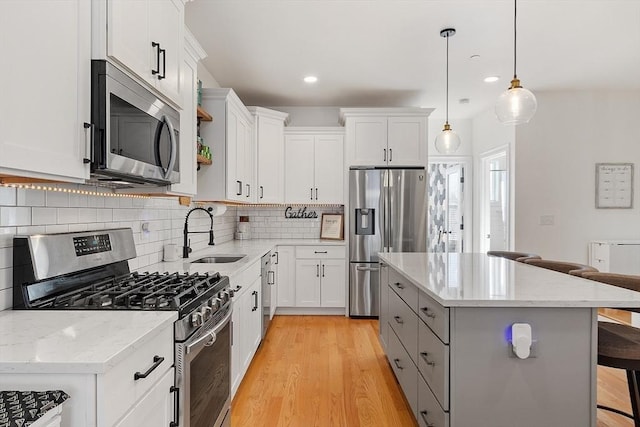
(447, 142)
(516, 105)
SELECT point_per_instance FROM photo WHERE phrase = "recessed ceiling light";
(474, 57)
(310, 79)
(463, 100)
(491, 79)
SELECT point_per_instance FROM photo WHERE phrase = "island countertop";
(479, 280)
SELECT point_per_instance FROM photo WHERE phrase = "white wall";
(311, 116)
(207, 78)
(555, 171)
(25, 211)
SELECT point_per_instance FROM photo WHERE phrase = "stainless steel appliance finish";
(89, 271)
(268, 297)
(388, 214)
(135, 135)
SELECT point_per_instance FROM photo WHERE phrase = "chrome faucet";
(185, 247)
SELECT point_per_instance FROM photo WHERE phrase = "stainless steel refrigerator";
(388, 213)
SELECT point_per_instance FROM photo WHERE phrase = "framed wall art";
(614, 185)
(332, 227)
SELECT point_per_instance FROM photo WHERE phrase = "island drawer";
(435, 316)
(429, 413)
(407, 290)
(321, 252)
(154, 358)
(404, 370)
(433, 363)
(405, 324)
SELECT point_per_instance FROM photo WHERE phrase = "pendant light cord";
(515, 38)
(447, 101)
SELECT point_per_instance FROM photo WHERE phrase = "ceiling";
(374, 53)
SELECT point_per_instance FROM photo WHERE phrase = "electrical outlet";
(547, 220)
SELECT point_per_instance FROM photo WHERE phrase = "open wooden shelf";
(203, 160)
(203, 115)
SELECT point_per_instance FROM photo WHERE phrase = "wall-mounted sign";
(301, 213)
(614, 185)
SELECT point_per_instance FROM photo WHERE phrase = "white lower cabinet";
(320, 276)
(155, 408)
(286, 276)
(247, 322)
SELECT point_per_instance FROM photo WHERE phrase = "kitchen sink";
(220, 259)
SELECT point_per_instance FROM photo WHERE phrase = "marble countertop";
(69, 341)
(479, 280)
(253, 249)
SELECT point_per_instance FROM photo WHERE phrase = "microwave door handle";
(174, 147)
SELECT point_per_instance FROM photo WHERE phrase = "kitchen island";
(446, 326)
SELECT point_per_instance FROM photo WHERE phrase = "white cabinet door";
(255, 319)
(407, 141)
(299, 168)
(329, 169)
(245, 161)
(128, 36)
(188, 145)
(45, 88)
(270, 140)
(367, 141)
(166, 23)
(332, 283)
(156, 408)
(307, 283)
(286, 276)
(234, 180)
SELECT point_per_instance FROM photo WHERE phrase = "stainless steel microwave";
(135, 135)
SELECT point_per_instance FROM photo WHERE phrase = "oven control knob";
(215, 303)
(206, 312)
(196, 319)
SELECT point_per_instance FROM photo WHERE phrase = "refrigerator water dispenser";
(365, 221)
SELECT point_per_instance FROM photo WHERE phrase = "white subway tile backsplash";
(13, 216)
(44, 216)
(57, 199)
(6, 257)
(7, 196)
(6, 238)
(104, 215)
(6, 300)
(27, 197)
(31, 229)
(111, 202)
(67, 216)
(87, 215)
(62, 228)
(75, 228)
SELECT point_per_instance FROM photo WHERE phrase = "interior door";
(453, 235)
(495, 212)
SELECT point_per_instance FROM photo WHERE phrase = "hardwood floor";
(330, 371)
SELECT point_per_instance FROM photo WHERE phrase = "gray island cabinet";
(446, 328)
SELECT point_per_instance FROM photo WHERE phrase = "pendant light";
(516, 105)
(447, 142)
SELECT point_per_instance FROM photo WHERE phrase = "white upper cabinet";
(269, 135)
(145, 37)
(386, 136)
(314, 165)
(46, 89)
(230, 137)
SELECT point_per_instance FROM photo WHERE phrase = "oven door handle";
(210, 337)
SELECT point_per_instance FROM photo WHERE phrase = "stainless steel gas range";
(89, 271)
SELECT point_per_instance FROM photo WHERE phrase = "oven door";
(203, 376)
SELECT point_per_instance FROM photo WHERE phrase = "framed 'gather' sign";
(614, 185)
(331, 227)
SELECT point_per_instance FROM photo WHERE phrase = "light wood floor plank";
(330, 371)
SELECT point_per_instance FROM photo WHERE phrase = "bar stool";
(619, 345)
(514, 256)
(563, 267)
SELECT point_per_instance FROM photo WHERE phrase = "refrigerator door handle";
(360, 268)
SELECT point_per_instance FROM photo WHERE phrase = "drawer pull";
(397, 362)
(319, 252)
(398, 319)
(399, 285)
(423, 414)
(157, 360)
(425, 356)
(428, 313)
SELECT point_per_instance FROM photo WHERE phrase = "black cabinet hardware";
(239, 193)
(157, 46)
(176, 390)
(157, 360)
(397, 362)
